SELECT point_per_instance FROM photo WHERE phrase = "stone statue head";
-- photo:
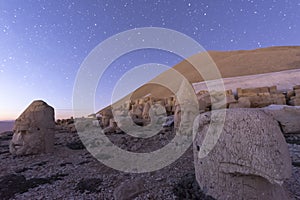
(34, 130)
(250, 159)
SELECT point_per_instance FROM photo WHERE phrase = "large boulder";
(34, 130)
(250, 159)
(287, 116)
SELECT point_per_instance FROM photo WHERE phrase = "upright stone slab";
(34, 130)
(249, 161)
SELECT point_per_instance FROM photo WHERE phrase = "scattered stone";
(21, 170)
(34, 130)
(12, 184)
(169, 121)
(6, 135)
(129, 189)
(250, 159)
(84, 162)
(65, 164)
(76, 145)
(188, 188)
(40, 163)
(90, 184)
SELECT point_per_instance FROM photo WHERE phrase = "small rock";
(129, 189)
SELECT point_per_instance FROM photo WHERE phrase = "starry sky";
(43, 43)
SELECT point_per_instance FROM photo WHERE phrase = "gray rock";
(287, 116)
(249, 161)
(129, 189)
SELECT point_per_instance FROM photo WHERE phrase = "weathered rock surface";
(188, 188)
(129, 189)
(168, 183)
(249, 161)
(13, 184)
(34, 130)
(287, 116)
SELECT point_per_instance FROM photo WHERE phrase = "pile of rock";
(294, 96)
(139, 111)
(216, 99)
(258, 97)
(65, 125)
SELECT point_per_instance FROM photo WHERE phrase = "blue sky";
(43, 43)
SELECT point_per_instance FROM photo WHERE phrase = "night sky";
(43, 43)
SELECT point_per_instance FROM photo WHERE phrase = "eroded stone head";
(34, 130)
(249, 161)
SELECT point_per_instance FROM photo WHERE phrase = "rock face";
(249, 161)
(34, 130)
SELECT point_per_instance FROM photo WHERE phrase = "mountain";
(230, 64)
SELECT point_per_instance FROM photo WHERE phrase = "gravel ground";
(72, 173)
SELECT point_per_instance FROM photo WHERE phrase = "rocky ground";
(72, 173)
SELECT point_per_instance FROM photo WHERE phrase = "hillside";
(230, 64)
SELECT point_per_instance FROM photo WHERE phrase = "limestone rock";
(129, 189)
(243, 102)
(106, 116)
(287, 116)
(34, 130)
(249, 161)
(261, 96)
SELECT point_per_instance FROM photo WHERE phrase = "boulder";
(287, 116)
(250, 159)
(106, 116)
(34, 130)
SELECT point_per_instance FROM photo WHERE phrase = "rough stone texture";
(261, 96)
(129, 189)
(177, 117)
(89, 184)
(13, 184)
(188, 188)
(106, 116)
(254, 91)
(145, 113)
(287, 116)
(243, 102)
(295, 101)
(80, 165)
(218, 98)
(249, 161)
(34, 130)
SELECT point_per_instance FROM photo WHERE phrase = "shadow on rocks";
(188, 188)
(91, 185)
(76, 145)
(13, 184)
